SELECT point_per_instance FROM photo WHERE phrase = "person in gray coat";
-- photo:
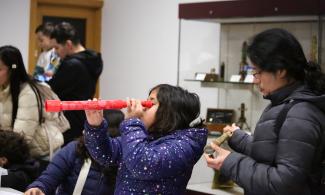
(285, 160)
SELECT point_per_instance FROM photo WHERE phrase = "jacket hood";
(93, 60)
(297, 91)
(304, 93)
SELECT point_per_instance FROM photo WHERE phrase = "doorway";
(85, 15)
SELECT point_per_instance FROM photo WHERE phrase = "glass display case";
(212, 40)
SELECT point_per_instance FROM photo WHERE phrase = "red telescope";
(57, 105)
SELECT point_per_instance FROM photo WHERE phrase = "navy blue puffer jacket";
(147, 165)
(63, 172)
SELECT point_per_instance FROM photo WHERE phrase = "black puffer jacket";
(283, 164)
(20, 175)
(76, 79)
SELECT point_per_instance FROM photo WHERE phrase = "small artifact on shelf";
(242, 119)
(313, 49)
(243, 63)
(200, 76)
(222, 71)
(212, 76)
(217, 119)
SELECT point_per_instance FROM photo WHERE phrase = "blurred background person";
(48, 61)
(18, 168)
(76, 76)
(22, 107)
(63, 172)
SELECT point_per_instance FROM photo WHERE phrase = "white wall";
(199, 52)
(14, 20)
(139, 46)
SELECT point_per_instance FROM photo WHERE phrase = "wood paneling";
(249, 8)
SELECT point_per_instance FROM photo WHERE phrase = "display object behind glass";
(242, 122)
(313, 49)
(243, 65)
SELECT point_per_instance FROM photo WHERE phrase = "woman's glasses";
(257, 74)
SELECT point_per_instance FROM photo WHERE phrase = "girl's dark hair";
(277, 49)
(64, 32)
(46, 28)
(12, 58)
(177, 109)
(14, 147)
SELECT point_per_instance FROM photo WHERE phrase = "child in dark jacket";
(62, 173)
(18, 170)
(158, 146)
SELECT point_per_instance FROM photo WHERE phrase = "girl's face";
(4, 74)
(149, 114)
(268, 82)
(44, 42)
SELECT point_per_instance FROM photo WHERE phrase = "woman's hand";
(231, 129)
(94, 117)
(134, 108)
(217, 161)
(34, 191)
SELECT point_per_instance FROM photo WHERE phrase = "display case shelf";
(221, 82)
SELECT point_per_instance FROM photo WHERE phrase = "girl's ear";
(3, 161)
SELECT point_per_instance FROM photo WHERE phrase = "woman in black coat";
(285, 158)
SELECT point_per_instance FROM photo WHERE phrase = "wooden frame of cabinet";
(250, 8)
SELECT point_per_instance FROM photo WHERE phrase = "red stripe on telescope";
(57, 105)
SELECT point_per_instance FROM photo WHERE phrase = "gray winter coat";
(287, 163)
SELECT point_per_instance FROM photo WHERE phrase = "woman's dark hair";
(114, 118)
(277, 49)
(46, 28)
(177, 109)
(64, 32)
(12, 58)
(14, 147)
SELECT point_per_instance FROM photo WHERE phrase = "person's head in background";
(66, 40)
(278, 60)
(13, 73)
(13, 149)
(174, 108)
(114, 118)
(43, 34)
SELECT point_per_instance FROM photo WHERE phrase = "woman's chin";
(263, 92)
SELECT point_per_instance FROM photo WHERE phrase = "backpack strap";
(278, 124)
(283, 114)
(82, 177)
